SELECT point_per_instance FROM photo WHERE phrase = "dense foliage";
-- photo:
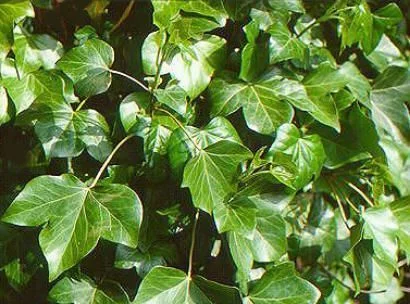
(204, 151)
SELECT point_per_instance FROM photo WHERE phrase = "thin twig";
(70, 165)
(108, 160)
(130, 78)
(180, 125)
(124, 15)
(361, 193)
(191, 249)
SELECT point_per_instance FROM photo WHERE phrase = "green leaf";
(183, 28)
(238, 215)
(64, 132)
(269, 241)
(4, 106)
(181, 148)
(11, 11)
(34, 85)
(96, 8)
(35, 51)
(159, 254)
(264, 101)
(241, 254)
(75, 217)
(85, 291)
(401, 211)
(392, 295)
(133, 113)
(88, 67)
(213, 168)
(290, 5)
(389, 112)
(282, 285)
(386, 54)
(174, 97)
(284, 46)
(163, 284)
(307, 152)
(196, 62)
(383, 235)
(152, 51)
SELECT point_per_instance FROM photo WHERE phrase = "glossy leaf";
(213, 168)
(281, 285)
(162, 284)
(88, 67)
(85, 291)
(76, 216)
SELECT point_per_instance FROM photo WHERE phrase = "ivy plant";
(204, 151)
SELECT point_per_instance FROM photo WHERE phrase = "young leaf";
(163, 284)
(209, 175)
(75, 217)
(85, 291)
(88, 67)
(282, 285)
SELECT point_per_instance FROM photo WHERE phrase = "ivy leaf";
(75, 217)
(213, 168)
(282, 285)
(307, 152)
(35, 51)
(163, 284)
(264, 101)
(386, 54)
(152, 51)
(11, 11)
(174, 97)
(180, 148)
(158, 254)
(242, 256)
(64, 132)
(183, 28)
(25, 91)
(401, 211)
(95, 9)
(238, 215)
(290, 5)
(133, 113)
(389, 94)
(4, 106)
(196, 62)
(88, 66)
(85, 291)
(384, 236)
(283, 46)
(269, 241)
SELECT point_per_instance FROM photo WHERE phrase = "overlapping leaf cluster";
(273, 140)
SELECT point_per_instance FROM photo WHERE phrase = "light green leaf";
(392, 295)
(281, 285)
(88, 67)
(401, 211)
(4, 106)
(183, 28)
(85, 291)
(64, 132)
(389, 112)
(284, 46)
(75, 217)
(242, 256)
(174, 97)
(35, 51)
(196, 62)
(290, 5)
(264, 101)
(238, 215)
(307, 152)
(11, 11)
(164, 284)
(133, 113)
(152, 51)
(181, 148)
(213, 168)
(381, 227)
